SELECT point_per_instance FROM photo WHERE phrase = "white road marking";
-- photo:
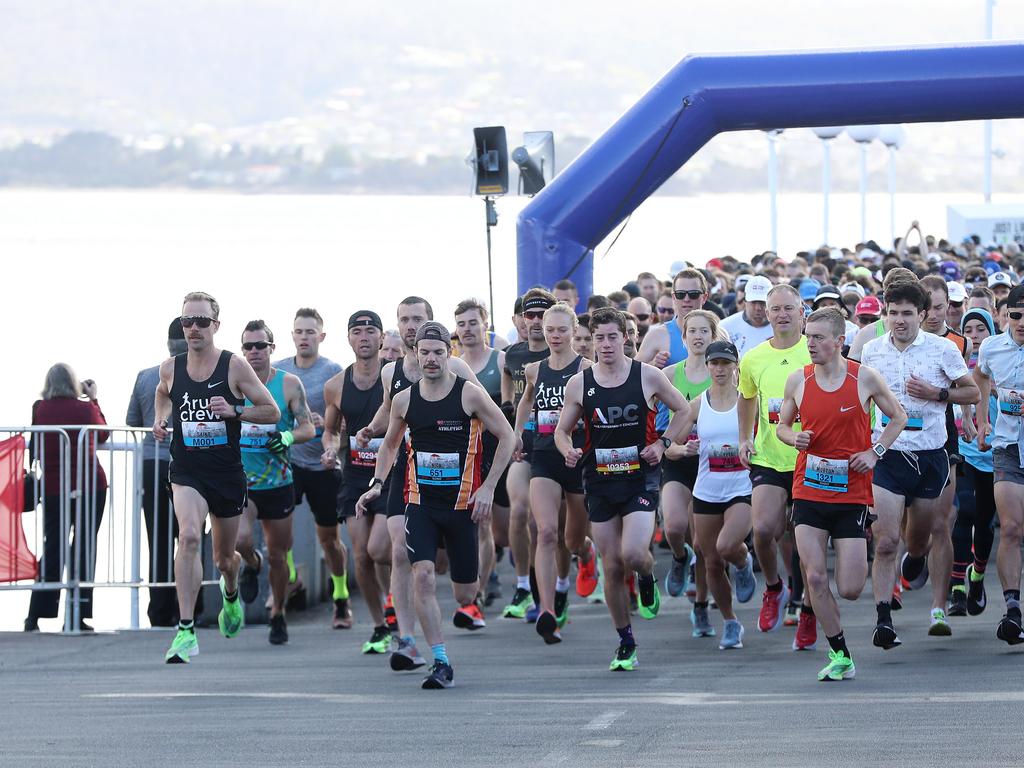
(606, 743)
(605, 719)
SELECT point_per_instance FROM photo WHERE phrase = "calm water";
(93, 278)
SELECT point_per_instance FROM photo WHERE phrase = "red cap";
(714, 264)
(869, 305)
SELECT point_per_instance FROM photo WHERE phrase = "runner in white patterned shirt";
(925, 372)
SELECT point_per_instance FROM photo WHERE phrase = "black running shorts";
(225, 494)
(842, 521)
(551, 465)
(321, 491)
(427, 528)
(273, 503)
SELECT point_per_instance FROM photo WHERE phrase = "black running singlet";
(444, 450)
(202, 442)
(358, 407)
(619, 425)
(516, 359)
(548, 399)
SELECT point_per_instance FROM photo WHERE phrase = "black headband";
(537, 302)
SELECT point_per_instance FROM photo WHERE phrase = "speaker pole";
(492, 220)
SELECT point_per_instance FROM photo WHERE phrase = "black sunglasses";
(1015, 315)
(643, 318)
(956, 304)
(666, 311)
(533, 315)
(687, 294)
(250, 345)
(189, 320)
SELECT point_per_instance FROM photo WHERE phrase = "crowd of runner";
(745, 416)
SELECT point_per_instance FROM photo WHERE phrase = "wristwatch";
(943, 395)
(878, 449)
(666, 442)
(239, 409)
(375, 481)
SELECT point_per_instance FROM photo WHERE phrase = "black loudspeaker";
(491, 153)
(536, 161)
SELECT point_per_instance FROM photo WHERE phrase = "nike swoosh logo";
(847, 408)
(215, 384)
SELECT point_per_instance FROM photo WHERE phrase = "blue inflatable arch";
(705, 95)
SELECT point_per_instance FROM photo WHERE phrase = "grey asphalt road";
(109, 700)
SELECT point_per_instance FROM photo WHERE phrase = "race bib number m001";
(199, 435)
(437, 468)
(617, 461)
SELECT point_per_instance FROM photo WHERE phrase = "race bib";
(827, 474)
(547, 421)
(617, 461)
(774, 408)
(724, 458)
(199, 435)
(364, 457)
(437, 468)
(254, 437)
(915, 420)
(1010, 402)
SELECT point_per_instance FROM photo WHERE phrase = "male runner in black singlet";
(413, 311)
(620, 459)
(199, 401)
(447, 498)
(353, 397)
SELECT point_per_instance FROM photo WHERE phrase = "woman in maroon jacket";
(66, 402)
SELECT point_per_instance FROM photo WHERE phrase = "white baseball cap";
(853, 288)
(1000, 278)
(757, 288)
(956, 292)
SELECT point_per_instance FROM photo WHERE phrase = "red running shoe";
(806, 633)
(586, 576)
(773, 608)
(468, 617)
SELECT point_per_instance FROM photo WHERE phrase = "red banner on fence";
(16, 560)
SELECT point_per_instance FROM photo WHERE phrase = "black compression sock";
(806, 607)
(700, 604)
(626, 635)
(884, 609)
(187, 625)
(774, 587)
(645, 584)
(534, 589)
(838, 643)
(231, 596)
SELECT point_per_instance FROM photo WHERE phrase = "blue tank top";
(677, 352)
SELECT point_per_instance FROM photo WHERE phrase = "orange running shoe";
(586, 576)
(468, 617)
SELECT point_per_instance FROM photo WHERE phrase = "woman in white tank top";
(721, 495)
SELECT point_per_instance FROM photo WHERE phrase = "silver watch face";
(879, 450)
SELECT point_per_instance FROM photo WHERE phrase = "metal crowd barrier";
(108, 528)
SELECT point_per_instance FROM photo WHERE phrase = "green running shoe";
(649, 610)
(183, 648)
(380, 641)
(839, 667)
(522, 601)
(561, 608)
(231, 618)
(625, 659)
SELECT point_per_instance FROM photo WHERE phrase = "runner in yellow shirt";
(763, 374)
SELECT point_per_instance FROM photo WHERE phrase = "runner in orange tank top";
(832, 480)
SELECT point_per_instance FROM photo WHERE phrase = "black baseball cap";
(1015, 298)
(365, 317)
(174, 331)
(434, 331)
(721, 350)
(535, 303)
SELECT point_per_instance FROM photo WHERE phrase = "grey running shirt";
(307, 455)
